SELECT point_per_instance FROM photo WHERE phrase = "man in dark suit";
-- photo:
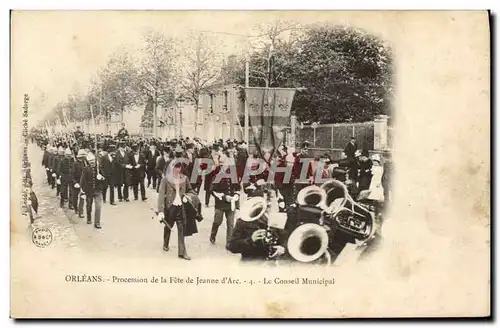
(351, 148)
(189, 167)
(161, 163)
(241, 159)
(151, 156)
(137, 167)
(110, 173)
(91, 184)
(122, 160)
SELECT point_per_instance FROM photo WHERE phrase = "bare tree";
(158, 72)
(203, 67)
(269, 37)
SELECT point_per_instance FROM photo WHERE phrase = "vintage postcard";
(250, 164)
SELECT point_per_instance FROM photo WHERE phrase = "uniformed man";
(284, 186)
(92, 185)
(122, 133)
(216, 154)
(227, 195)
(45, 163)
(78, 133)
(76, 174)
(250, 239)
(58, 158)
(64, 174)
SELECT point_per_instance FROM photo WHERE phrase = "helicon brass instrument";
(350, 216)
(253, 209)
(308, 242)
(312, 196)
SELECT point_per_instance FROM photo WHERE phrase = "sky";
(54, 53)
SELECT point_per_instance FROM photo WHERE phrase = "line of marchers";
(300, 281)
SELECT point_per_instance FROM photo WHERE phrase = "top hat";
(178, 149)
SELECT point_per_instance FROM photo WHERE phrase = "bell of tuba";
(333, 189)
(308, 242)
(253, 209)
(312, 196)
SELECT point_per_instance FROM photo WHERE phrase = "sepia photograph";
(239, 164)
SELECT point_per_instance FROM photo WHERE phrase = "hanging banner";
(268, 115)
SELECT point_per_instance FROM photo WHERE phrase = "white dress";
(377, 191)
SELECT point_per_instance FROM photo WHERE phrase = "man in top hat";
(76, 174)
(122, 160)
(137, 169)
(112, 174)
(188, 170)
(152, 155)
(241, 159)
(91, 184)
(162, 162)
(351, 148)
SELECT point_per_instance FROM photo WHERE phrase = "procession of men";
(86, 171)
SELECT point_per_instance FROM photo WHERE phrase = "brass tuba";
(350, 216)
(253, 209)
(312, 196)
(308, 243)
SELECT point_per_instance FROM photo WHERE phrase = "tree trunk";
(196, 116)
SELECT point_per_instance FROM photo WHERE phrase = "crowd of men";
(86, 171)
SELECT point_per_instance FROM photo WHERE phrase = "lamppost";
(180, 103)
